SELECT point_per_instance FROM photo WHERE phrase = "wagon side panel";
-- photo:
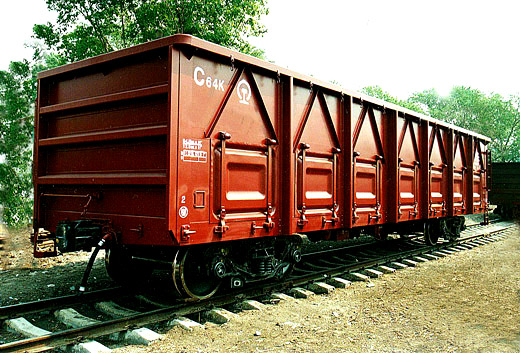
(438, 171)
(316, 148)
(460, 174)
(409, 167)
(368, 164)
(479, 173)
(228, 150)
(101, 143)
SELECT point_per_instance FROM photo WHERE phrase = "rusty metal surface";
(193, 143)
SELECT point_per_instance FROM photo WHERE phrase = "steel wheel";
(431, 236)
(454, 226)
(192, 277)
(404, 235)
(122, 269)
(380, 233)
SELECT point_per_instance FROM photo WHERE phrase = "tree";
(17, 92)
(17, 96)
(85, 28)
(490, 115)
(378, 92)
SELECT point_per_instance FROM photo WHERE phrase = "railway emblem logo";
(243, 92)
(183, 212)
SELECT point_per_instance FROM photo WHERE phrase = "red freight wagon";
(179, 142)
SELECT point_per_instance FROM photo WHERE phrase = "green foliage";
(17, 92)
(17, 96)
(490, 115)
(85, 28)
(377, 92)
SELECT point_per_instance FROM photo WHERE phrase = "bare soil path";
(468, 302)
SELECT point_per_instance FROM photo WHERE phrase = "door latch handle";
(185, 232)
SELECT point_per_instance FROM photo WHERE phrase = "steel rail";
(10, 311)
(360, 246)
(385, 242)
(71, 336)
(77, 335)
(343, 269)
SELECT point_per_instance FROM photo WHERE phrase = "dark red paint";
(186, 142)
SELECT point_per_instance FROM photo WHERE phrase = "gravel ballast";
(465, 302)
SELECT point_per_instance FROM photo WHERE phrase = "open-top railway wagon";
(182, 151)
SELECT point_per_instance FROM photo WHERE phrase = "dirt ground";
(24, 278)
(468, 302)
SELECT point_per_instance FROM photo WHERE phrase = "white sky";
(402, 45)
(17, 18)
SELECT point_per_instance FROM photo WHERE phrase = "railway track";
(399, 252)
(60, 323)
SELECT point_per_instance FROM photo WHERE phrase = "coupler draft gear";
(78, 235)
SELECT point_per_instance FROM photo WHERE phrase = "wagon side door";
(228, 150)
(459, 175)
(367, 164)
(437, 171)
(316, 154)
(408, 168)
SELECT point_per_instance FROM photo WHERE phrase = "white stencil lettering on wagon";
(191, 151)
(200, 78)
